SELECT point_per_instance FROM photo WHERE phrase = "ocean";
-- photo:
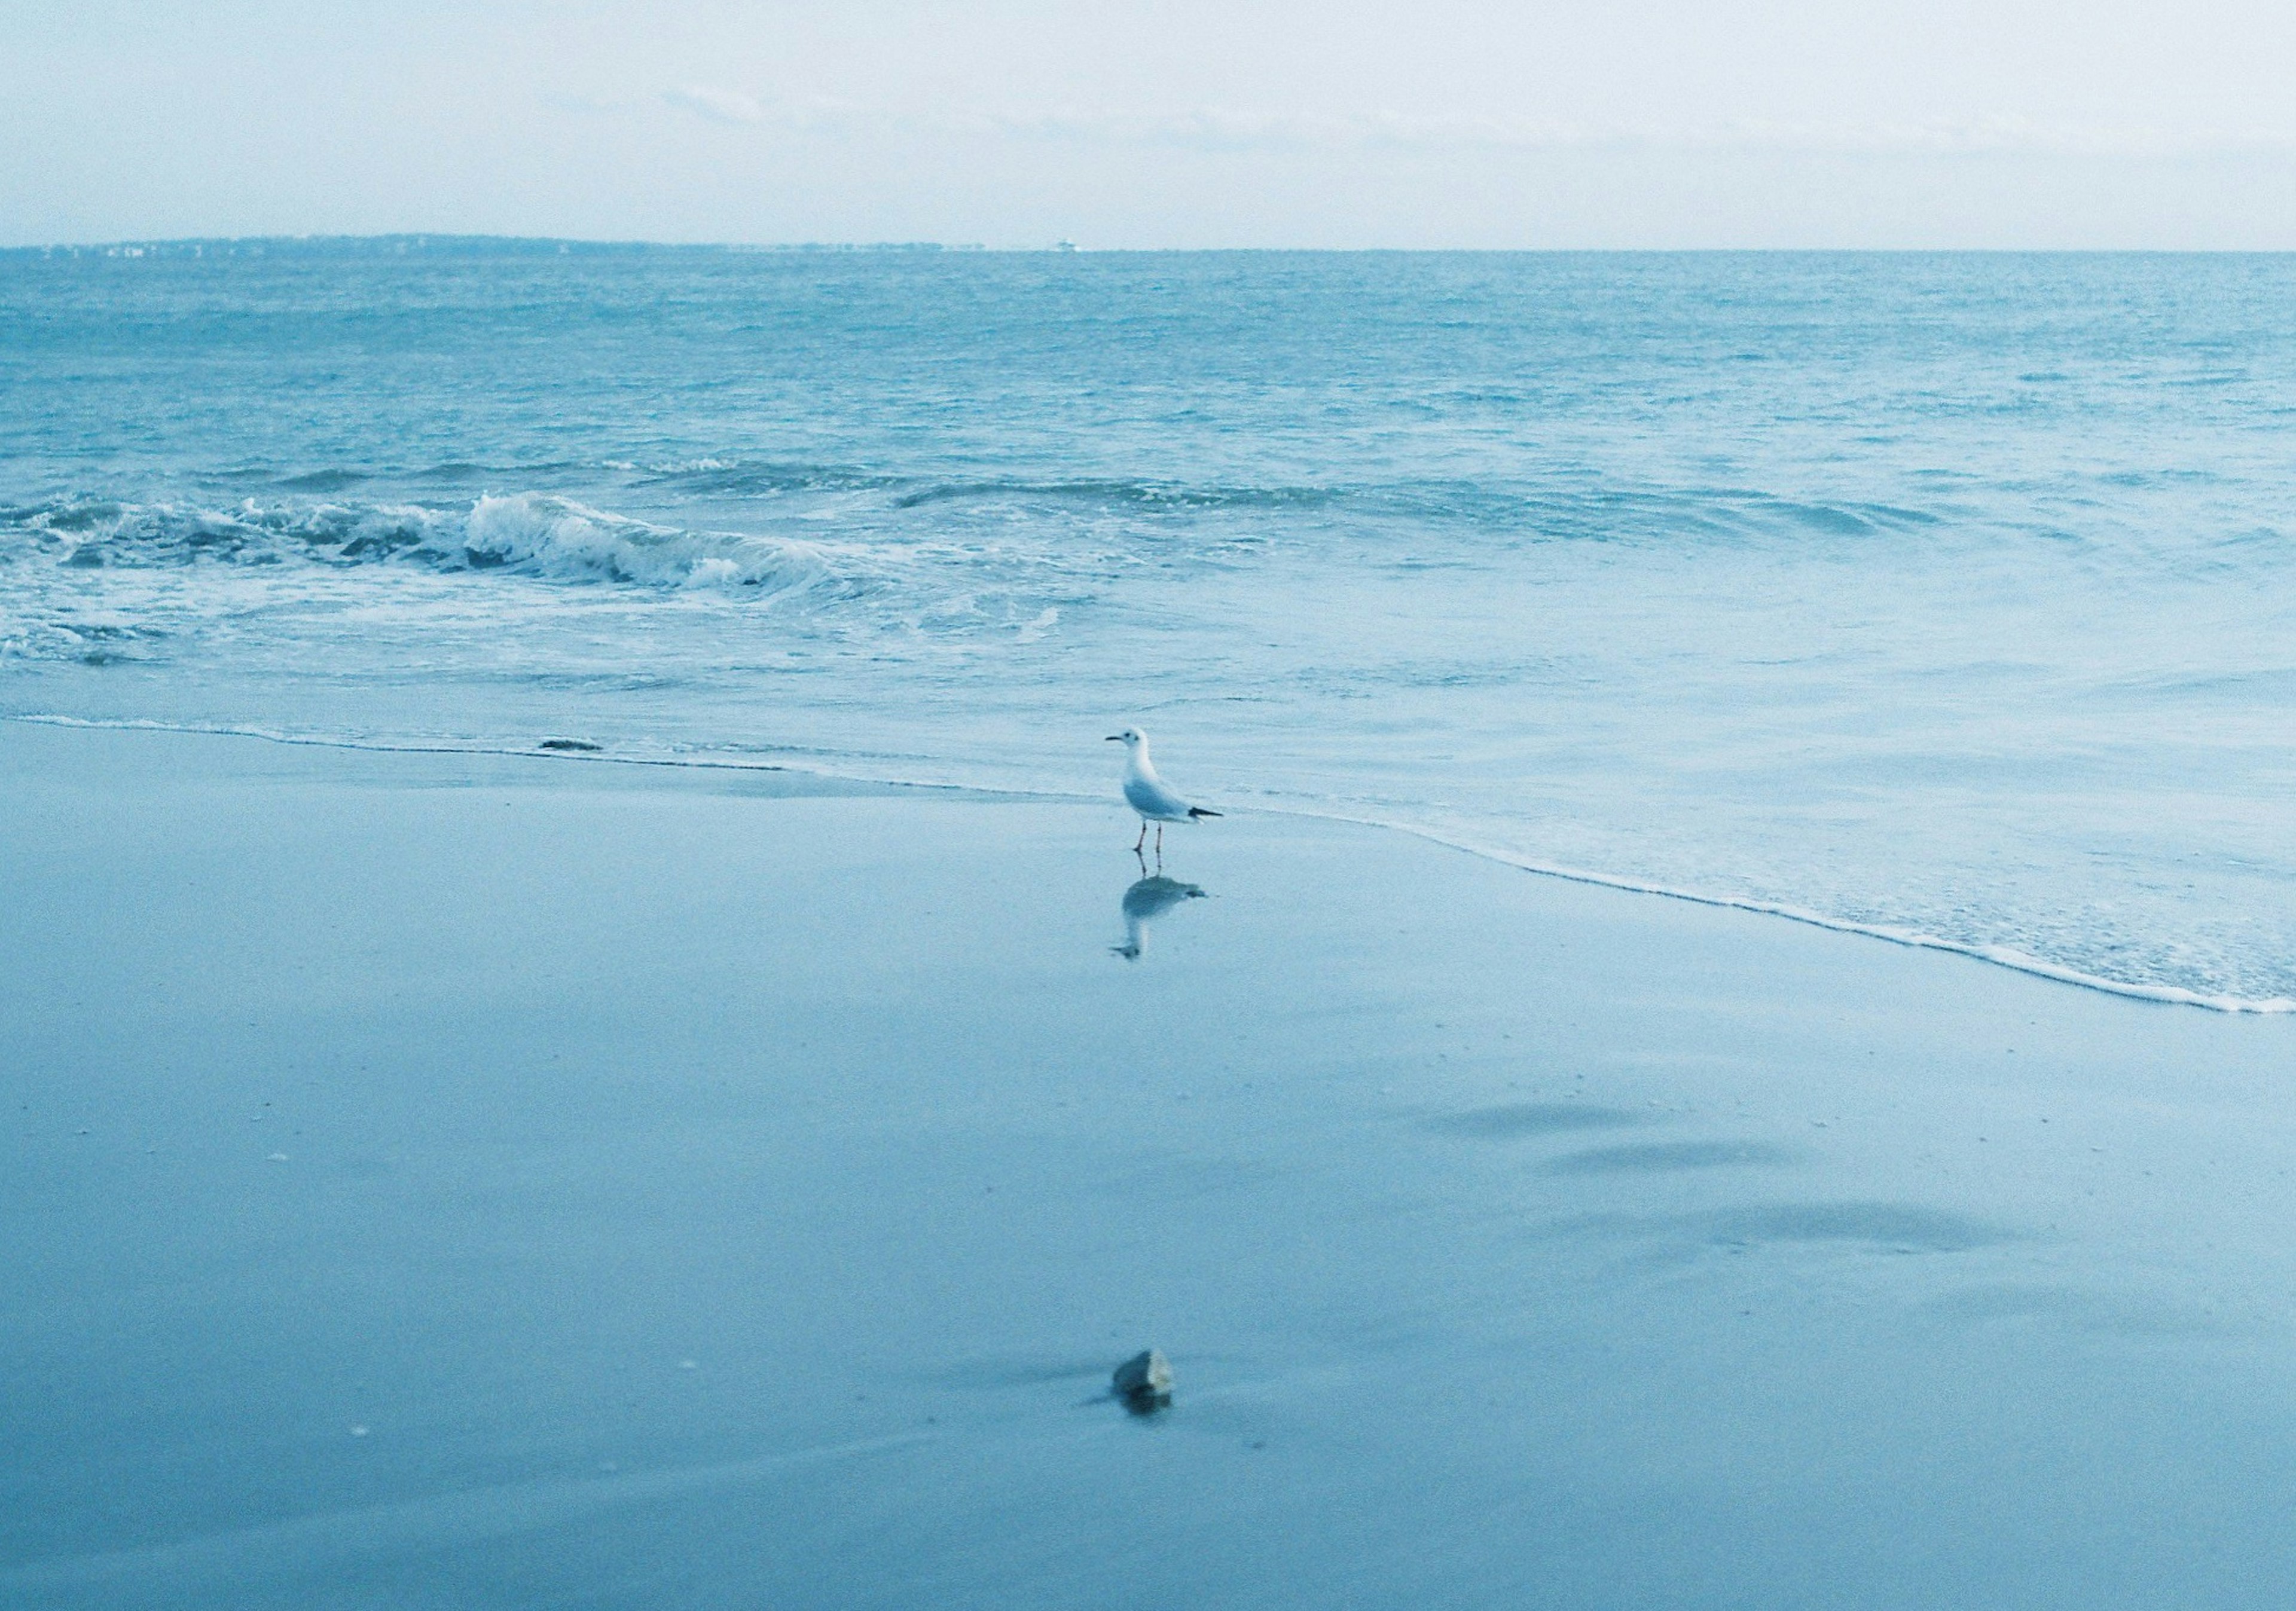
(1947, 597)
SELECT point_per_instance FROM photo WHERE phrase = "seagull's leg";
(1159, 844)
(1143, 839)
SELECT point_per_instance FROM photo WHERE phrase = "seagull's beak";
(1114, 738)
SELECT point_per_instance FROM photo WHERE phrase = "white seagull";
(1148, 794)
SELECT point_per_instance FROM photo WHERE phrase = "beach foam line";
(477, 748)
(1999, 956)
(307, 1543)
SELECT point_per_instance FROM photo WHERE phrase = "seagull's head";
(1131, 738)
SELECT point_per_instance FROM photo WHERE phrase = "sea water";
(1949, 596)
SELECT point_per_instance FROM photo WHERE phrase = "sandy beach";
(439, 1180)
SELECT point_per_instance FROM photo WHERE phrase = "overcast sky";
(1240, 123)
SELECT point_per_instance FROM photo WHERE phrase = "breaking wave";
(533, 534)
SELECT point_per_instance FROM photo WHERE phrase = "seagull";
(1148, 794)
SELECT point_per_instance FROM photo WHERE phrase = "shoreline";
(1996, 956)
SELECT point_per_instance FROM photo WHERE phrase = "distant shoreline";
(411, 244)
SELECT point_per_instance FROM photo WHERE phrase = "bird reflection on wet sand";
(1150, 898)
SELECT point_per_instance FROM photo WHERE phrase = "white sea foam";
(532, 534)
(559, 537)
(2000, 956)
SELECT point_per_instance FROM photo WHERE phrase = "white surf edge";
(1999, 956)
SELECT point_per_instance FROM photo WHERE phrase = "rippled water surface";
(1945, 595)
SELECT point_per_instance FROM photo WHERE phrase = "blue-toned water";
(1946, 595)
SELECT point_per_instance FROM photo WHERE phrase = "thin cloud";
(2002, 137)
(717, 105)
(1230, 129)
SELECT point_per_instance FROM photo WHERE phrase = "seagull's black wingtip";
(1198, 811)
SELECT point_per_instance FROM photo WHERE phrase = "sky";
(1181, 124)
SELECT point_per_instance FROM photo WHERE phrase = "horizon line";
(412, 240)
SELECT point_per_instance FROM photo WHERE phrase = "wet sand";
(456, 1181)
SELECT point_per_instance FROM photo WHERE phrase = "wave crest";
(534, 533)
(558, 538)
